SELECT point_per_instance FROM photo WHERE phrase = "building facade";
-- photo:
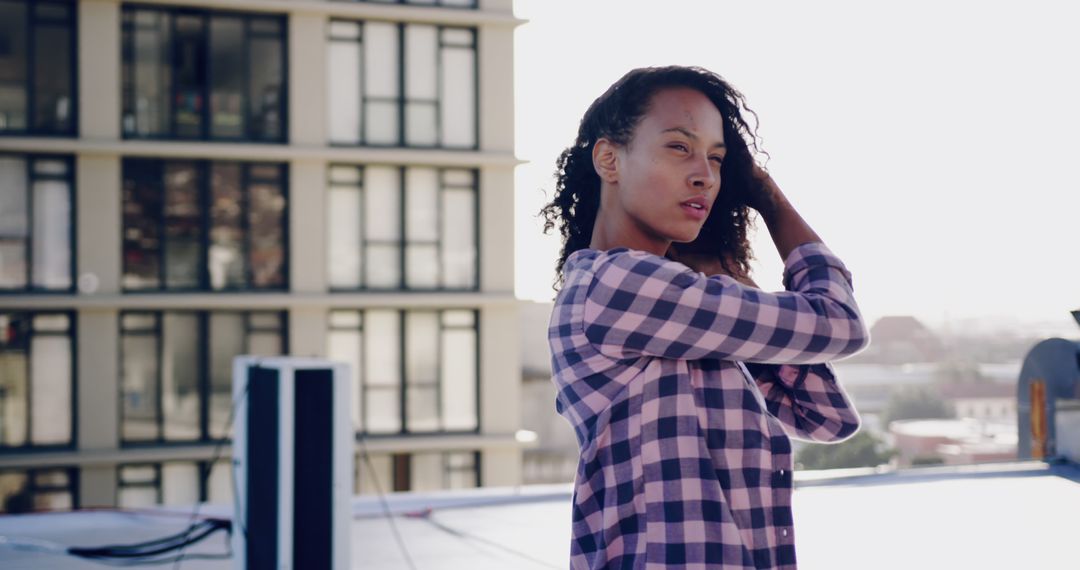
(183, 182)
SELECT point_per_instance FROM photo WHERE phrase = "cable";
(210, 466)
(382, 499)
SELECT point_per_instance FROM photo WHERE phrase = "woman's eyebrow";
(690, 135)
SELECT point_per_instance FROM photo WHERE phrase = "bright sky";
(932, 145)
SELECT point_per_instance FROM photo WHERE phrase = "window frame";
(204, 169)
(401, 468)
(403, 241)
(401, 101)
(31, 178)
(203, 467)
(403, 385)
(474, 5)
(32, 25)
(204, 372)
(34, 488)
(128, 88)
(72, 336)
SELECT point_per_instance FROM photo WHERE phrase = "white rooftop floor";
(1005, 516)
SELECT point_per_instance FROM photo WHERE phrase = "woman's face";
(669, 173)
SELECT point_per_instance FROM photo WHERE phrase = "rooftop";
(990, 516)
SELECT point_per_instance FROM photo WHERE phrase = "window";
(193, 74)
(199, 225)
(37, 67)
(36, 380)
(36, 223)
(174, 483)
(176, 370)
(414, 371)
(24, 491)
(446, 3)
(429, 471)
(402, 85)
(402, 228)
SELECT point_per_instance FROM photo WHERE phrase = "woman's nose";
(703, 176)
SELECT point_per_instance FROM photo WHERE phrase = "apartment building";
(183, 182)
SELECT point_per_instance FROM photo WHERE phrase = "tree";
(863, 449)
(916, 403)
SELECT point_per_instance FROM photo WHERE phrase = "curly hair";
(614, 116)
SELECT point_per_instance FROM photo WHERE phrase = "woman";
(682, 379)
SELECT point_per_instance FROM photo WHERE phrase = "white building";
(181, 182)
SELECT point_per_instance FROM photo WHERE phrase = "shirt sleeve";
(640, 304)
(807, 400)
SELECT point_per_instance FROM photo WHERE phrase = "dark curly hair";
(614, 115)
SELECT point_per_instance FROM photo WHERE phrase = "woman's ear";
(605, 160)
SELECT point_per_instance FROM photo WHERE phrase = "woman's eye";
(679, 147)
(717, 159)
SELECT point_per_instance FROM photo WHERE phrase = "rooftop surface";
(1017, 515)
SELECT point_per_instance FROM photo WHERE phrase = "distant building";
(900, 340)
(554, 457)
(989, 401)
(182, 182)
(952, 441)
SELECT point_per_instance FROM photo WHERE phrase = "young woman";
(681, 378)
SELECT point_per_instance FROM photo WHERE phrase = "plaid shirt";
(685, 457)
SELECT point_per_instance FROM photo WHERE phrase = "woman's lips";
(695, 213)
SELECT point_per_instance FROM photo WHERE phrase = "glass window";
(25, 491)
(37, 70)
(139, 486)
(36, 379)
(429, 471)
(427, 242)
(413, 371)
(176, 370)
(178, 483)
(447, 3)
(396, 84)
(198, 225)
(36, 237)
(197, 74)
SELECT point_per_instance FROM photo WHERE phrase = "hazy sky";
(932, 145)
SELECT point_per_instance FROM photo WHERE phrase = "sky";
(932, 145)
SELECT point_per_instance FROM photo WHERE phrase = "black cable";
(154, 547)
(168, 560)
(382, 499)
(210, 466)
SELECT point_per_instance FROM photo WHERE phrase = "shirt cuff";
(810, 254)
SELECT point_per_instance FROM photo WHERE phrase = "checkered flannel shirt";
(683, 390)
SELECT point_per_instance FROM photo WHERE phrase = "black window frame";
(72, 336)
(403, 384)
(203, 169)
(32, 25)
(203, 467)
(474, 4)
(402, 100)
(205, 387)
(127, 84)
(34, 488)
(403, 242)
(31, 178)
(401, 467)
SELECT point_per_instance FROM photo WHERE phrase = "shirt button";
(781, 472)
(784, 532)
